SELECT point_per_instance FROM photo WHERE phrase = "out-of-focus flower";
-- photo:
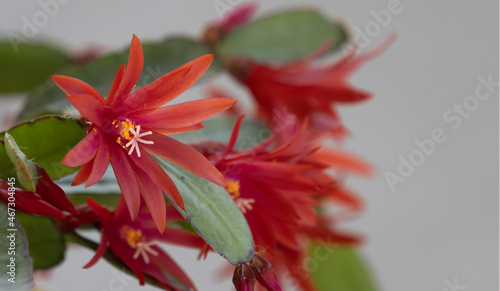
(258, 268)
(48, 198)
(303, 89)
(125, 125)
(277, 188)
(237, 17)
(135, 242)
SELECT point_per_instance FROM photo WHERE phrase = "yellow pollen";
(233, 188)
(125, 129)
(132, 236)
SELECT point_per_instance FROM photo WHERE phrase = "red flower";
(136, 243)
(48, 199)
(305, 90)
(277, 189)
(125, 125)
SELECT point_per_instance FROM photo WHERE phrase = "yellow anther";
(233, 188)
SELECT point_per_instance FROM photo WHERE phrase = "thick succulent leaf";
(45, 241)
(26, 170)
(284, 37)
(340, 269)
(45, 141)
(14, 253)
(159, 59)
(25, 66)
(213, 214)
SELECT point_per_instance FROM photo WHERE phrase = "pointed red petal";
(84, 151)
(184, 156)
(52, 193)
(132, 72)
(154, 199)
(102, 212)
(169, 86)
(101, 163)
(159, 177)
(343, 161)
(166, 263)
(88, 107)
(73, 86)
(83, 174)
(127, 180)
(184, 114)
(99, 252)
(116, 82)
(168, 131)
(234, 137)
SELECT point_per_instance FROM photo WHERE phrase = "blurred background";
(433, 229)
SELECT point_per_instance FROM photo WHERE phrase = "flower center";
(233, 188)
(137, 241)
(130, 135)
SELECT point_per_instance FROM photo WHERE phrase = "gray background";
(441, 223)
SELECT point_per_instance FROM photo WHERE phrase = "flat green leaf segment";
(213, 214)
(14, 253)
(45, 241)
(339, 269)
(45, 141)
(284, 36)
(219, 129)
(159, 59)
(26, 170)
(24, 66)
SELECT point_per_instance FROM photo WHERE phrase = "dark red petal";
(52, 193)
(88, 107)
(73, 86)
(244, 278)
(132, 72)
(99, 252)
(127, 180)
(184, 114)
(84, 151)
(184, 156)
(169, 86)
(102, 212)
(166, 263)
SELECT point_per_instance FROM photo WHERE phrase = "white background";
(441, 224)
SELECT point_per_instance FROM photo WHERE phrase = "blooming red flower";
(277, 188)
(305, 90)
(135, 242)
(48, 198)
(125, 125)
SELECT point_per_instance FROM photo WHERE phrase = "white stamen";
(137, 139)
(244, 204)
(143, 248)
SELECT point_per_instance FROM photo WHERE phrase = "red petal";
(84, 151)
(101, 163)
(127, 181)
(88, 107)
(73, 86)
(116, 82)
(99, 252)
(343, 161)
(168, 265)
(132, 72)
(184, 114)
(102, 212)
(52, 193)
(83, 174)
(233, 138)
(154, 199)
(159, 177)
(169, 86)
(184, 156)
(169, 131)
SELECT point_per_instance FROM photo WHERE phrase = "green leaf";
(283, 37)
(45, 241)
(219, 129)
(18, 252)
(25, 66)
(159, 59)
(26, 170)
(46, 141)
(339, 269)
(213, 214)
